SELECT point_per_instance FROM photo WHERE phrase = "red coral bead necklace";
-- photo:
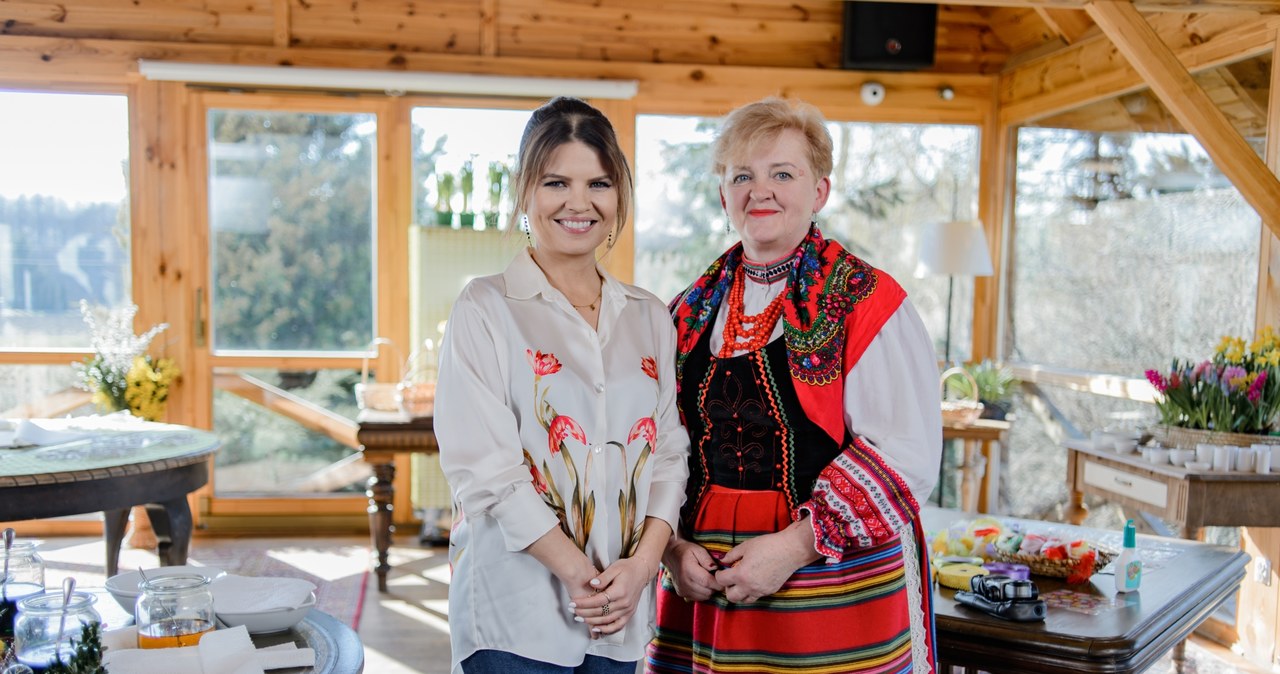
(748, 333)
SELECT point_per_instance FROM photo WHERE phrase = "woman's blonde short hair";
(762, 121)
(565, 120)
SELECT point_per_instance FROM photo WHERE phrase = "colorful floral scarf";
(835, 306)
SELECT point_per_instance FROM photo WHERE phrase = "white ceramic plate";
(276, 620)
(124, 586)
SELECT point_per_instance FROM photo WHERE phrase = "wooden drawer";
(1128, 485)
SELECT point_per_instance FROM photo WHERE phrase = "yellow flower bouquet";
(120, 374)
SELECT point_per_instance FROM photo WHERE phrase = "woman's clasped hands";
(606, 602)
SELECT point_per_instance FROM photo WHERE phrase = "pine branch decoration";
(88, 656)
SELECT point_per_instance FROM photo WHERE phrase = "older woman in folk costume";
(809, 388)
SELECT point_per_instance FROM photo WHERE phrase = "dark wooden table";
(113, 470)
(1188, 581)
(382, 435)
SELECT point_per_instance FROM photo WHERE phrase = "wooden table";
(1193, 499)
(1184, 582)
(117, 467)
(979, 476)
(381, 436)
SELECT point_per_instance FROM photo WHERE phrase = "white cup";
(1223, 458)
(1204, 452)
(1180, 457)
(1262, 459)
(1244, 458)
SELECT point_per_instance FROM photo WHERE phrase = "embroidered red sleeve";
(857, 502)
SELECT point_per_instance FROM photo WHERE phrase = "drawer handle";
(1122, 483)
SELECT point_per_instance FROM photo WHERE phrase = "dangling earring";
(524, 227)
(728, 229)
(609, 243)
(813, 220)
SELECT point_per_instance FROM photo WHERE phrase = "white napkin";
(26, 433)
(224, 651)
(251, 594)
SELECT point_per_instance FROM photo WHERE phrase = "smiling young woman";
(557, 425)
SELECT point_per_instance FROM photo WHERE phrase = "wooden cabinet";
(1193, 499)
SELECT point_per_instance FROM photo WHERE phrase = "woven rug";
(339, 572)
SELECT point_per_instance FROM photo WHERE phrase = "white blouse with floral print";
(544, 422)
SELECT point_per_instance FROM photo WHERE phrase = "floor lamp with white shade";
(954, 248)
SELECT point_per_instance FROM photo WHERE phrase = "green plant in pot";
(466, 185)
(444, 199)
(497, 183)
(996, 385)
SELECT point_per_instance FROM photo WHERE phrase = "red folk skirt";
(851, 616)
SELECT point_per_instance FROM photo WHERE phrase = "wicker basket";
(961, 412)
(1188, 438)
(416, 394)
(376, 395)
(1055, 568)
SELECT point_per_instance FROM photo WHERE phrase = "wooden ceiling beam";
(1170, 81)
(1093, 70)
(1176, 6)
(1071, 26)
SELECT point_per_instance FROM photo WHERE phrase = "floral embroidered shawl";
(836, 304)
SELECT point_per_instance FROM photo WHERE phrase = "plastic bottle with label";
(1128, 567)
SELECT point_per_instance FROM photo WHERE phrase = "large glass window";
(462, 161)
(1130, 249)
(291, 217)
(64, 214)
(888, 181)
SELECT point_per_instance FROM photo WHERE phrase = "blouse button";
(778, 466)
(779, 485)
(599, 388)
(739, 453)
(739, 469)
(739, 429)
(777, 433)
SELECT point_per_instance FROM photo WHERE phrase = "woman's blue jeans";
(501, 662)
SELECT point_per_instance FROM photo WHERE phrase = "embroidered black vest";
(746, 426)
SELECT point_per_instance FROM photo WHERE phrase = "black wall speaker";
(888, 35)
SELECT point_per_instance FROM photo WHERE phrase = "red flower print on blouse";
(562, 427)
(543, 364)
(650, 366)
(643, 427)
(539, 482)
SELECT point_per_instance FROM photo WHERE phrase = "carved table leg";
(1077, 511)
(114, 523)
(971, 474)
(172, 522)
(381, 491)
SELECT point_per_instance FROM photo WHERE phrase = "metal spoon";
(68, 587)
(142, 574)
(8, 543)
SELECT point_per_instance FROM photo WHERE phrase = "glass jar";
(25, 578)
(174, 611)
(35, 632)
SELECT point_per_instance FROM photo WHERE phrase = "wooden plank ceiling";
(802, 33)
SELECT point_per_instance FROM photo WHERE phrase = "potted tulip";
(466, 185)
(497, 183)
(444, 199)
